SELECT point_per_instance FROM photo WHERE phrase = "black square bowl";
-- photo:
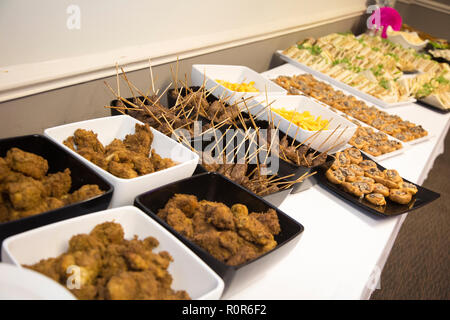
(58, 160)
(215, 187)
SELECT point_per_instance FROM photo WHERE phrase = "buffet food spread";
(375, 66)
(249, 154)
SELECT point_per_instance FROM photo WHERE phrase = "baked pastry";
(354, 155)
(365, 164)
(376, 174)
(392, 179)
(409, 187)
(400, 196)
(348, 173)
(376, 198)
(372, 150)
(358, 188)
(356, 169)
(380, 188)
(341, 160)
(366, 179)
(335, 176)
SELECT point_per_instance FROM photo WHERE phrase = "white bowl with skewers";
(208, 74)
(329, 140)
(110, 128)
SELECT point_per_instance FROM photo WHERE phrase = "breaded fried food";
(124, 170)
(140, 141)
(27, 163)
(88, 139)
(111, 267)
(25, 194)
(57, 184)
(231, 235)
(85, 192)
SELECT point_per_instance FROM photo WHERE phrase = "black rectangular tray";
(215, 187)
(58, 160)
(420, 199)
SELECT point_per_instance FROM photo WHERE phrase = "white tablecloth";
(342, 251)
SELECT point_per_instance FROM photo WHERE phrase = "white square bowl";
(189, 272)
(109, 128)
(322, 141)
(209, 73)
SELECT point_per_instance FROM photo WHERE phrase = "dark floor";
(419, 264)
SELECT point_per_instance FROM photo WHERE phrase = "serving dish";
(108, 129)
(420, 199)
(342, 85)
(326, 140)
(24, 284)
(189, 272)
(58, 159)
(215, 187)
(209, 73)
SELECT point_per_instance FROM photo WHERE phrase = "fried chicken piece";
(4, 169)
(108, 233)
(27, 163)
(57, 184)
(218, 245)
(246, 252)
(269, 219)
(85, 242)
(85, 192)
(185, 202)
(48, 267)
(177, 220)
(88, 262)
(53, 203)
(70, 143)
(142, 164)
(160, 163)
(140, 141)
(19, 214)
(249, 228)
(88, 139)
(122, 170)
(96, 158)
(25, 194)
(218, 215)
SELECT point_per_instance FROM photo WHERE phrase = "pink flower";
(388, 17)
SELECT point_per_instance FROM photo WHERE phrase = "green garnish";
(375, 49)
(384, 83)
(393, 55)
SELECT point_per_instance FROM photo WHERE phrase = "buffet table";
(343, 250)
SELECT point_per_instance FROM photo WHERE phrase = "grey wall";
(428, 20)
(84, 101)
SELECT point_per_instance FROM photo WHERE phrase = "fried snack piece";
(88, 139)
(140, 141)
(25, 193)
(400, 196)
(269, 219)
(230, 235)
(123, 170)
(57, 184)
(85, 192)
(111, 267)
(27, 163)
(160, 163)
(365, 179)
(393, 179)
(376, 174)
(376, 198)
